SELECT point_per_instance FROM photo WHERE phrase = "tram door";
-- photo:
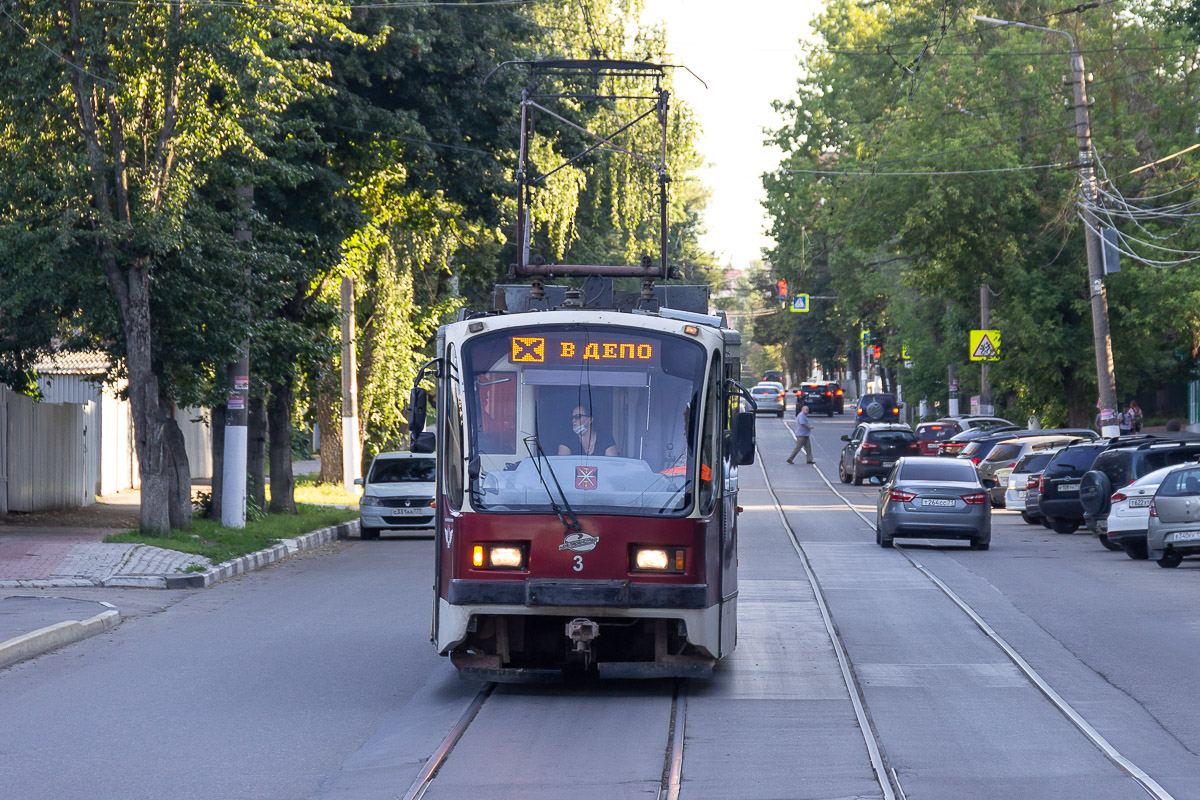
(729, 501)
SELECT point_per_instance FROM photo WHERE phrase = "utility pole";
(1101, 335)
(952, 406)
(985, 317)
(237, 385)
(351, 460)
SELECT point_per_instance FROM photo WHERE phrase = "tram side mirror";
(743, 438)
(418, 404)
(423, 443)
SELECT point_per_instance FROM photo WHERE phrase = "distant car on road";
(839, 397)
(817, 397)
(925, 497)
(873, 448)
(772, 376)
(877, 408)
(398, 493)
(769, 397)
(1174, 528)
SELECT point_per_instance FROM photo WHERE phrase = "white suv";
(398, 493)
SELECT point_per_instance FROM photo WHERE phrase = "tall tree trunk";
(279, 423)
(329, 418)
(217, 417)
(132, 288)
(256, 453)
(179, 477)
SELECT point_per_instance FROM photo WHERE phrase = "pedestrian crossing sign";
(800, 303)
(985, 345)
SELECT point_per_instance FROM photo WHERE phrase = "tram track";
(670, 780)
(889, 780)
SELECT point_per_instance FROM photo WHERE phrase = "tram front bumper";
(568, 593)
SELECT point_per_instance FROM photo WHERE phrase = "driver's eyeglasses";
(579, 416)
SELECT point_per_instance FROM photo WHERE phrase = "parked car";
(839, 397)
(933, 498)
(398, 493)
(1002, 459)
(980, 448)
(769, 397)
(1033, 500)
(1022, 484)
(1060, 484)
(1121, 466)
(1174, 526)
(816, 396)
(929, 434)
(955, 444)
(1128, 515)
(877, 408)
(872, 450)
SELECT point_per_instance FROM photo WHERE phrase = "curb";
(54, 636)
(252, 561)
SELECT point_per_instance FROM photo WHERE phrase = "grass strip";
(208, 538)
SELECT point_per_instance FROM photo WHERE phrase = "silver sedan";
(926, 497)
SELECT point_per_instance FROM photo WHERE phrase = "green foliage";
(895, 91)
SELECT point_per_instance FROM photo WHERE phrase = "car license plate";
(936, 501)
(1068, 487)
(1020, 494)
(410, 512)
(1141, 502)
(1185, 536)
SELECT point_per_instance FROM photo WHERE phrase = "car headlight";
(369, 500)
(499, 555)
(657, 559)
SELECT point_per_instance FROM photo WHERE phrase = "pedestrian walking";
(1135, 416)
(1125, 421)
(803, 430)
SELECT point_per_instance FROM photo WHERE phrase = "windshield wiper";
(571, 526)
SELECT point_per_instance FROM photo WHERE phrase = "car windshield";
(608, 420)
(936, 432)
(1004, 452)
(891, 437)
(402, 470)
(1071, 461)
(946, 470)
(1034, 462)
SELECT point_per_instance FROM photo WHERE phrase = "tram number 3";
(578, 564)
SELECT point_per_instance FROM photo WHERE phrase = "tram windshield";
(605, 419)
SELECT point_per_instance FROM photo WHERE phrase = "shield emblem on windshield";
(586, 477)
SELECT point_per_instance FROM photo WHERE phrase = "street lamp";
(1101, 335)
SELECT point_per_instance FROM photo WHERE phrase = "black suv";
(877, 408)
(1117, 468)
(839, 397)
(873, 448)
(1063, 478)
(817, 397)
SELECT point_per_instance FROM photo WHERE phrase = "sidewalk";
(66, 549)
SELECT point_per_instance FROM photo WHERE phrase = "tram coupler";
(581, 631)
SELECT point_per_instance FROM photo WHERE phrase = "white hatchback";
(1129, 515)
(398, 493)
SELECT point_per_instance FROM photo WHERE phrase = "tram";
(588, 441)
(587, 491)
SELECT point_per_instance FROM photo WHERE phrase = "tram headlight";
(658, 559)
(498, 556)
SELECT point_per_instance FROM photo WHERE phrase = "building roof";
(92, 362)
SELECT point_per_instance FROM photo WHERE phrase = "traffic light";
(876, 352)
(781, 285)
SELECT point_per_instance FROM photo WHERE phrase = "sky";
(748, 53)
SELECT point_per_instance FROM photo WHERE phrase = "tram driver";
(586, 441)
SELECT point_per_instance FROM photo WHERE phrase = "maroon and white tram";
(587, 492)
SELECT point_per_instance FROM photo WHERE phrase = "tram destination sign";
(576, 349)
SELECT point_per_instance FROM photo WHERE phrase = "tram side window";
(708, 445)
(453, 436)
(497, 398)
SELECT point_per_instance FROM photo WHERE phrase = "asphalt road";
(315, 678)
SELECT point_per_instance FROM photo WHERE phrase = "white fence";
(44, 455)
